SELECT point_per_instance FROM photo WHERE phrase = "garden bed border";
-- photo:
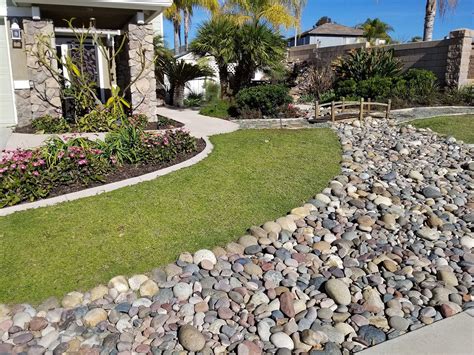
(97, 190)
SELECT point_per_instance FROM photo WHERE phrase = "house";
(29, 91)
(329, 35)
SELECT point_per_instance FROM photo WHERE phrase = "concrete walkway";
(198, 125)
(5, 134)
(451, 336)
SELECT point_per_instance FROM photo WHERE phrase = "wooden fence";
(341, 109)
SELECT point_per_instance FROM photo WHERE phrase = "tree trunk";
(187, 25)
(178, 96)
(177, 37)
(430, 15)
(224, 80)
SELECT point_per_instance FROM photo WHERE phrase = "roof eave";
(148, 5)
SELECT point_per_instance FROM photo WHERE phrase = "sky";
(405, 16)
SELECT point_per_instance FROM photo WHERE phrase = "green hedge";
(266, 99)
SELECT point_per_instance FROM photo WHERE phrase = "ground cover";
(251, 176)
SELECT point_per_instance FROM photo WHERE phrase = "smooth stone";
(94, 317)
(204, 254)
(338, 291)
(282, 340)
(399, 323)
(120, 283)
(190, 338)
(182, 291)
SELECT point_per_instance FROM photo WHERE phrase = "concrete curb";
(93, 191)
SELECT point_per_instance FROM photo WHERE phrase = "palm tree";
(216, 38)
(179, 73)
(188, 8)
(430, 15)
(276, 12)
(173, 14)
(375, 29)
(257, 47)
(298, 6)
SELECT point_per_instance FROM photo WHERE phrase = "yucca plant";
(363, 64)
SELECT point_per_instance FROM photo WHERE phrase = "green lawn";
(252, 176)
(460, 127)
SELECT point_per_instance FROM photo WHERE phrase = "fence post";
(343, 104)
(316, 109)
(368, 105)
(361, 113)
(333, 111)
(389, 107)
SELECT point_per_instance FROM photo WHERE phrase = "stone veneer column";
(45, 92)
(459, 53)
(143, 92)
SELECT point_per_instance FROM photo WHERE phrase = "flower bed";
(58, 125)
(76, 163)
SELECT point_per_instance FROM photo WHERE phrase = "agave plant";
(364, 64)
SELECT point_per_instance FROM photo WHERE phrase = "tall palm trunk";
(177, 36)
(178, 96)
(429, 19)
(224, 80)
(187, 26)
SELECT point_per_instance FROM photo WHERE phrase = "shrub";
(98, 120)
(376, 88)
(217, 108)
(193, 100)
(319, 80)
(266, 98)
(461, 96)
(306, 98)
(50, 124)
(364, 64)
(23, 176)
(422, 85)
(327, 96)
(212, 91)
(346, 88)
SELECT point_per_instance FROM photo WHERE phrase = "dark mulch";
(128, 171)
(162, 123)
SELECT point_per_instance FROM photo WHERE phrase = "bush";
(306, 99)
(364, 64)
(266, 98)
(217, 108)
(346, 88)
(376, 88)
(327, 96)
(422, 85)
(193, 100)
(98, 121)
(461, 96)
(50, 124)
(212, 91)
(28, 175)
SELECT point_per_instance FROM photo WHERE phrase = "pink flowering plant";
(23, 176)
(29, 175)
